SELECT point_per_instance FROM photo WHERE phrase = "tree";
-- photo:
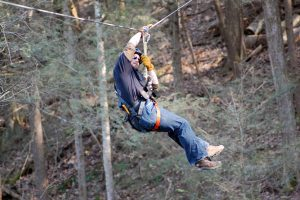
(0, 187)
(235, 34)
(297, 100)
(231, 28)
(283, 94)
(104, 108)
(288, 7)
(40, 175)
(122, 6)
(70, 59)
(176, 47)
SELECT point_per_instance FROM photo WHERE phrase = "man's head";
(136, 60)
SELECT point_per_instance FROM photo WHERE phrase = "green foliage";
(92, 175)
(67, 184)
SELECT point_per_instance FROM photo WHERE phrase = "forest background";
(57, 100)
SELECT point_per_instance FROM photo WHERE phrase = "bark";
(221, 17)
(283, 94)
(296, 31)
(189, 41)
(80, 163)
(104, 108)
(176, 50)
(122, 6)
(295, 22)
(69, 38)
(252, 41)
(256, 26)
(256, 51)
(70, 60)
(297, 101)
(234, 33)
(40, 175)
(0, 187)
(288, 6)
(230, 25)
(74, 13)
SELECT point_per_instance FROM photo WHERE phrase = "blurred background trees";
(214, 60)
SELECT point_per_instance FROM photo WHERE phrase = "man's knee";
(184, 123)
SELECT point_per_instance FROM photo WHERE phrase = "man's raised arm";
(131, 45)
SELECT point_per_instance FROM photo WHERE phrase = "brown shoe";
(206, 164)
(214, 150)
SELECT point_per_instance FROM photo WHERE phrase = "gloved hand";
(147, 62)
(145, 28)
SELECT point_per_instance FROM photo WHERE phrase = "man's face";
(135, 61)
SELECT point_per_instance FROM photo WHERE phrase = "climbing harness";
(146, 38)
(157, 123)
(134, 113)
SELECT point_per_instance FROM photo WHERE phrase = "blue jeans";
(177, 128)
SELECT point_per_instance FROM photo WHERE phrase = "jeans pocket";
(148, 117)
(135, 123)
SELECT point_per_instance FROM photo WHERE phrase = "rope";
(160, 21)
(68, 16)
(91, 20)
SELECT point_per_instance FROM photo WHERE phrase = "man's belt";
(139, 106)
(139, 110)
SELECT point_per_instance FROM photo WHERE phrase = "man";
(135, 95)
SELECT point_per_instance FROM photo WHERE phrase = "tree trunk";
(297, 101)
(80, 163)
(40, 175)
(70, 60)
(0, 187)
(288, 6)
(188, 40)
(104, 108)
(235, 35)
(283, 94)
(69, 37)
(176, 53)
(252, 41)
(221, 18)
(74, 13)
(122, 6)
(256, 26)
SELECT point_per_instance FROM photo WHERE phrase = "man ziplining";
(135, 93)
(136, 97)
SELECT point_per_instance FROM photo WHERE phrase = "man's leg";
(180, 131)
(174, 137)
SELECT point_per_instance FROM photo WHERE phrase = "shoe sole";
(217, 153)
(209, 168)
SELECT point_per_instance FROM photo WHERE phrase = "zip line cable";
(92, 20)
(67, 16)
(160, 21)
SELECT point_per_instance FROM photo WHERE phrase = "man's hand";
(145, 29)
(147, 62)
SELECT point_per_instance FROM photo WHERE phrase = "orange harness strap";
(157, 123)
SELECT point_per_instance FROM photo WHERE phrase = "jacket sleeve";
(130, 47)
